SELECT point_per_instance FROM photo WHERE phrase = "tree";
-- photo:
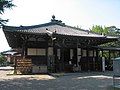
(5, 4)
(97, 29)
(100, 30)
(2, 59)
(109, 31)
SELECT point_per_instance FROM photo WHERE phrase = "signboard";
(24, 65)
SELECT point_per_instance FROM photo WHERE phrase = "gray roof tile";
(59, 29)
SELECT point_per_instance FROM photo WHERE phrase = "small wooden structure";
(56, 47)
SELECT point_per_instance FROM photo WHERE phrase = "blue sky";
(82, 13)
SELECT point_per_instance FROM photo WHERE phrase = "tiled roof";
(59, 29)
(54, 26)
(16, 35)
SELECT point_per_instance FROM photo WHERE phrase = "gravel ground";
(68, 81)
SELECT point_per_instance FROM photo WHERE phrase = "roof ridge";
(35, 26)
(82, 29)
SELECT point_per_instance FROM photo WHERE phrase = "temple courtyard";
(62, 81)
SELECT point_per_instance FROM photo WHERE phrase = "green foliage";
(109, 31)
(97, 29)
(2, 59)
(102, 30)
(5, 4)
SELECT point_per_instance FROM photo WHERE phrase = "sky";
(82, 13)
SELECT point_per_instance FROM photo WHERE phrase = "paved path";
(70, 81)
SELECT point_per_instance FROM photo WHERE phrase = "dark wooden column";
(62, 56)
(77, 53)
(93, 60)
(98, 60)
(88, 62)
(54, 54)
(47, 57)
(62, 60)
(113, 53)
(119, 53)
(102, 52)
(24, 38)
(23, 49)
(109, 55)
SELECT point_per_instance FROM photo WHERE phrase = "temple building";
(57, 47)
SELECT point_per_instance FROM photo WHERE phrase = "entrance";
(67, 61)
(70, 59)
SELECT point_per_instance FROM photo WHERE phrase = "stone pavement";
(68, 81)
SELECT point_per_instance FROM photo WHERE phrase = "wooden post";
(109, 55)
(102, 53)
(62, 58)
(77, 55)
(23, 45)
(88, 60)
(81, 66)
(15, 65)
(22, 50)
(119, 53)
(47, 57)
(97, 59)
(54, 53)
(93, 60)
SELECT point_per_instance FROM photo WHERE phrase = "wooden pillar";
(119, 53)
(97, 51)
(47, 57)
(75, 56)
(62, 56)
(102, 53)
(81, 66)
(98, 66)
(62, 59)
(24, 46)
(15, 65)
(54, 57)
(109, 59)
(23, 49)
(114, 54)
(50, 58)
(109, 55)
(77, 53)
(93, 60)
(88, 65)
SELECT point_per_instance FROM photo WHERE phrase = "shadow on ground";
(70, 81)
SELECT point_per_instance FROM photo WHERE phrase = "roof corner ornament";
(21, 26)
(53, 20)
(53, 17)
